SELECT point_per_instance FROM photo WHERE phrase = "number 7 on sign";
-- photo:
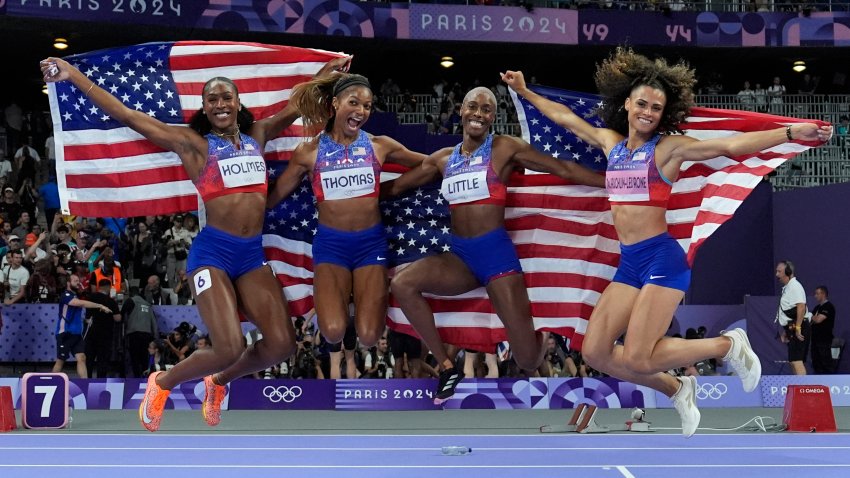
(49, 391)
(44, 401)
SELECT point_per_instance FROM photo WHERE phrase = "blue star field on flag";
(555, 140)
(138, 76)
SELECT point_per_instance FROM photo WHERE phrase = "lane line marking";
(625, 472)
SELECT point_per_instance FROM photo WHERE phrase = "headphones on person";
(789, 268)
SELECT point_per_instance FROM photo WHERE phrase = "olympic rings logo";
(282, 393)
(712, 391)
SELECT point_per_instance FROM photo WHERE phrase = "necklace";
(235, 134)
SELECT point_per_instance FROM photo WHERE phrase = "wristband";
(787, 132)
(92, 86)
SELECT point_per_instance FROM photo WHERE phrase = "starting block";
(808, 408)
(584, 421)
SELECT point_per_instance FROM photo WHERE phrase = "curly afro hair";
(626, 70)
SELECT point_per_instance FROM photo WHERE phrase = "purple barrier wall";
(381, 395)
(737, 259)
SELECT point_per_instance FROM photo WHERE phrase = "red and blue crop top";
(229, 170)
(633, 177)
(472, 179)
(343, 172)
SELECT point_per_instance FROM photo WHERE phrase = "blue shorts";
(659, 260)
(489, 256)
(351, 250)
(234, 255)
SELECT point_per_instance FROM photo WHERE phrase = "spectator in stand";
(28, 198)
(203, 342)
(154, 294)
(177, 240)
(24, 225)
(747, 98)
(182, 289)
(35, 243)
(140, 330)
(12, 242)
(60, 233)
(101, 327)
(808, 85)
(14, 277)
(775, 92)
(144, 251)
(41, 287)
(49, 193)
(26, 163)
(64, 261)
(10, 207)
(155, 358)
(554, 360)
(760, 95)
(190, 223)
(5, 169)
(69, 328)
(108, 270)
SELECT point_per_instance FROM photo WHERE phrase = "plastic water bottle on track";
(456, 450)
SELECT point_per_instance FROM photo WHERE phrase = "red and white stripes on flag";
(107, 169)
(567, 244)
(707, 193)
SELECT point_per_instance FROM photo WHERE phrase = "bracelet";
(788, 133)
(92, 86)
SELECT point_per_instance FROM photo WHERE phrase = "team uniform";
(472, 180)
(69, 328)
(345, 172)
(229, 171)
(633, 178)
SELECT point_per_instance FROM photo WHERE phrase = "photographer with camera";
(177, 345)
(177, 241)
(379, 362)
(140, 330)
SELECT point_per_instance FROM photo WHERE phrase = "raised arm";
(183, 141)
(683, 148)
(269, 128)
(394, 152)
(601, 138)
(526, 156)
(291, 177)
(426, 172)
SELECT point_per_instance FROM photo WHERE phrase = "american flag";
(107, 169)
(563, 233)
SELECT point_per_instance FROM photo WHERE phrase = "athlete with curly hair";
(644, 99)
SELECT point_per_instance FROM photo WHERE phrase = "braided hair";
(625, 70)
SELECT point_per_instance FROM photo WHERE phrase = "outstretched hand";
(811, 132)
(514, 79)
(340, 64)
(55, 69)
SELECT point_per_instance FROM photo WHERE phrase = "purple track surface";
(769, 455)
